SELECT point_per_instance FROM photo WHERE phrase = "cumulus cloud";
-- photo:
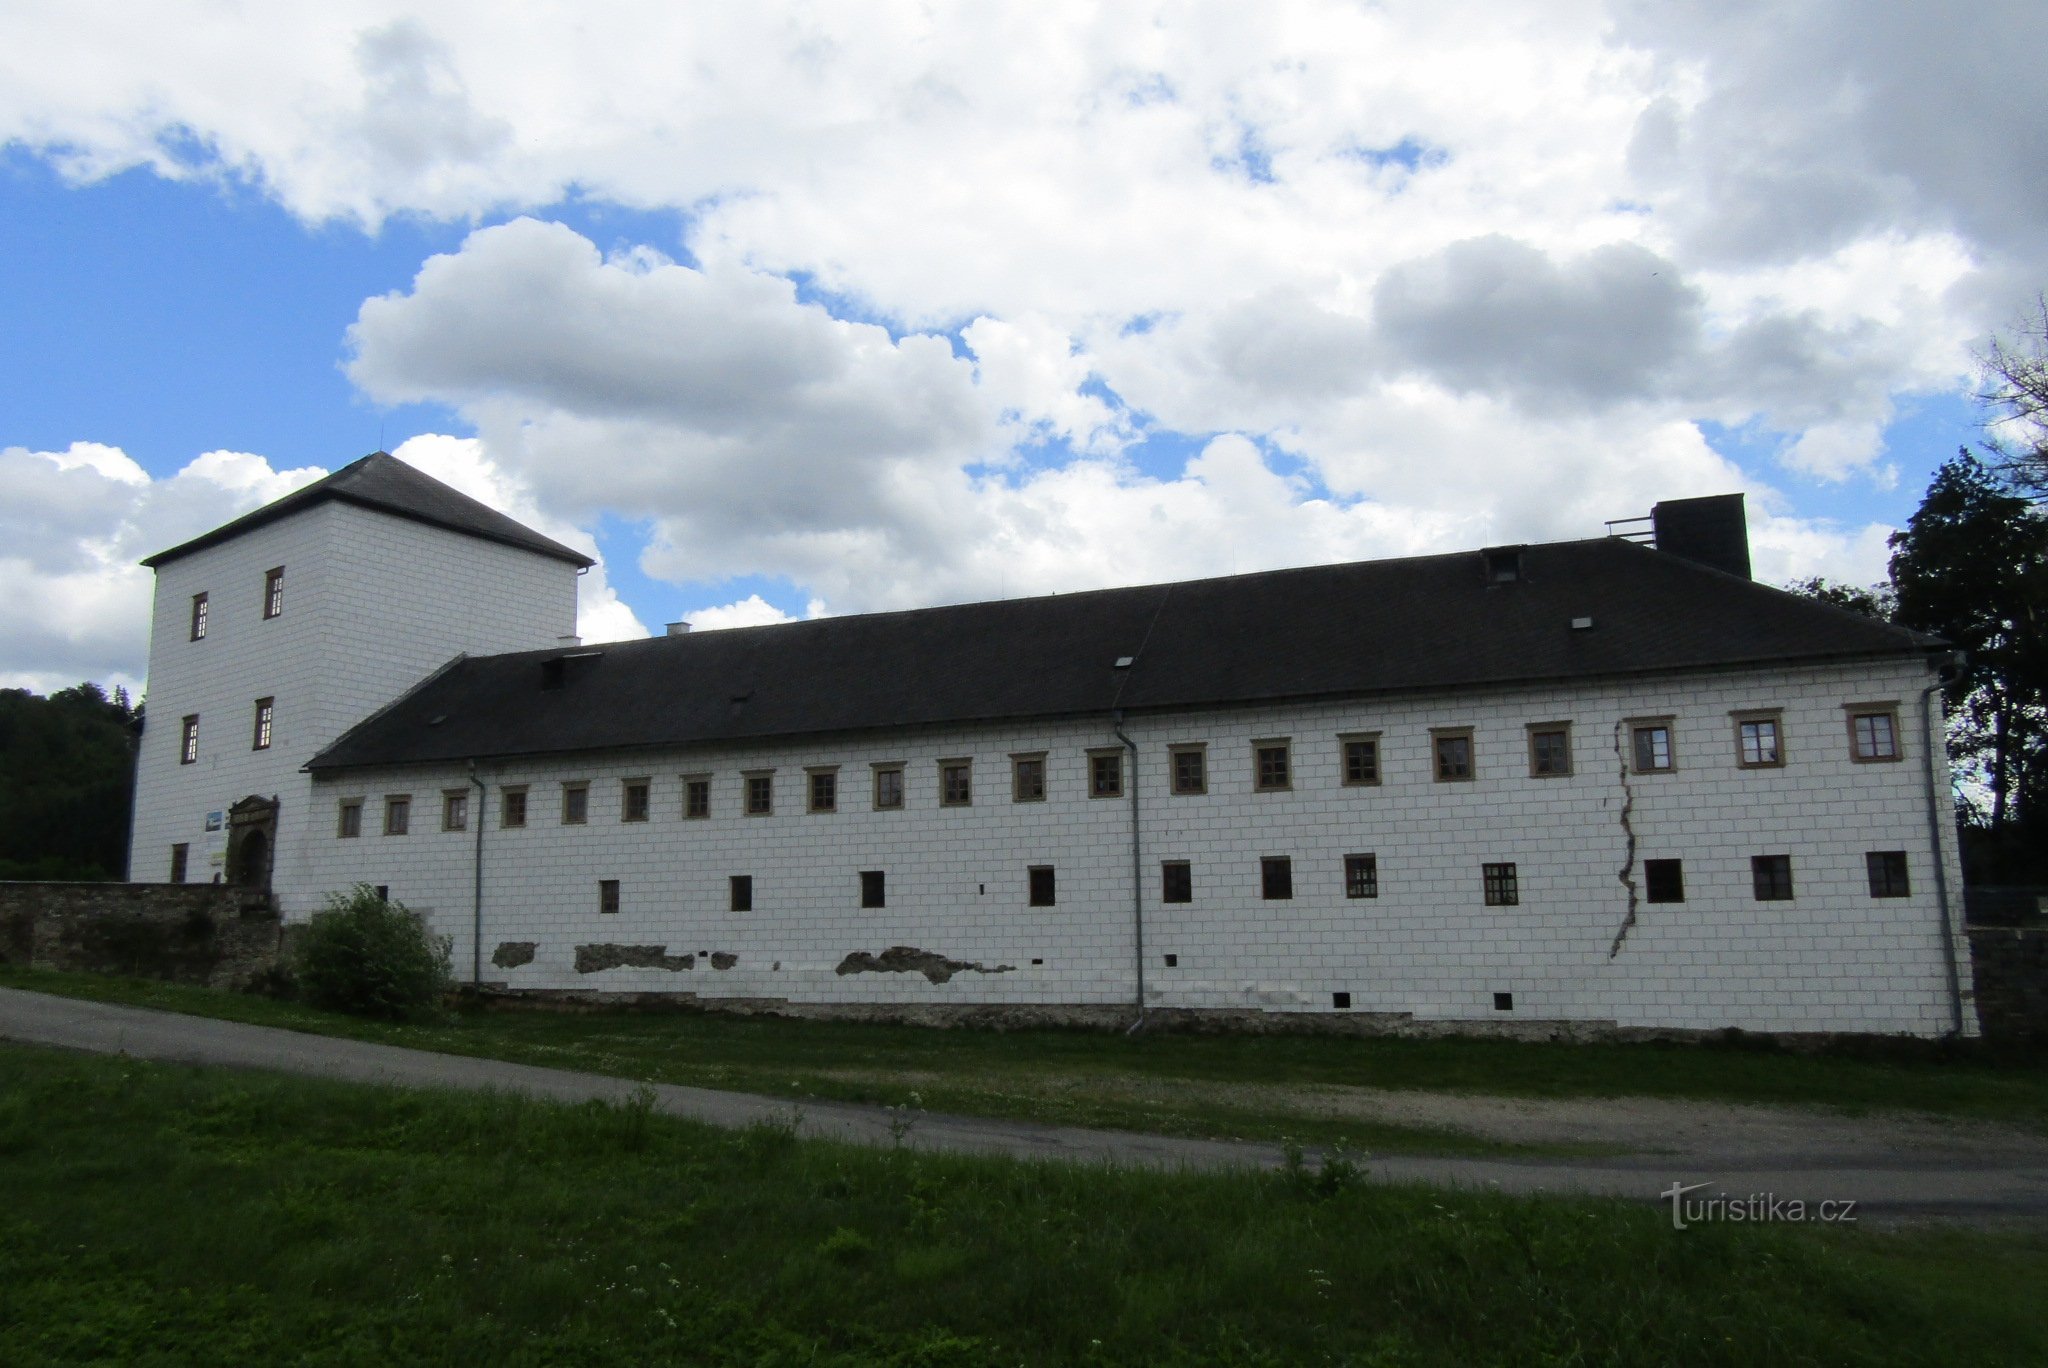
(1404, 277)
(73, 524)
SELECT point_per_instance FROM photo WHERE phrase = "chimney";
(678, 629)
(1713, 531)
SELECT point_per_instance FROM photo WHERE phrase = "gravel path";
(1894, 1168)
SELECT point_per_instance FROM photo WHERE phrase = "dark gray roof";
(1329, 631)
(387, 484)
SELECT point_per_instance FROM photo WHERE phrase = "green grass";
(161, 1214)
(1254, 1087)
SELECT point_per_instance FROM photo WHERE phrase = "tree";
(2015, 389)
(66, 778)
(1972, 566)
(1878, 601)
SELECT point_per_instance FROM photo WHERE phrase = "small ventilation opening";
(1503, 564)
(1173, 961)
(1503, 1002)
(1341, 1001)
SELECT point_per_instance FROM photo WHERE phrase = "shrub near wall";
(371, 957)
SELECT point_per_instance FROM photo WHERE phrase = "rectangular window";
(760, 801)
(1887, 869)
(455, 810)
(199, 617)
(823, 789)
(1176, 882)
(1664, 881)
(1503, 885)
(956, 783)
(1550, 750)
(696, 795)
(575, 804)
(349, 825)
(874, 888)
(1873, 732)
(181, 855)
(1452, 749)
(273, 592)
(1276, 877)
(1771, 876)
(1361, 876)
(888, 787)
(1756, 740)
(1027, 777)
(266, 712)
(607, 895)
(1190, 768)
(188, 740)
(512, 807)
(635, 800)
(1361, 760)
(1041, 886)
(1271, 771)
(397, 814)
(1650, 745)
(741, 890)
(1105, 774)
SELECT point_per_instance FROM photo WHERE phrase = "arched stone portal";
(252, 842)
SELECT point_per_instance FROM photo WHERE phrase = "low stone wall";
(209, 934)
(2010, 966)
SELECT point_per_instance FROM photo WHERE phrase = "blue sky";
(928, 308)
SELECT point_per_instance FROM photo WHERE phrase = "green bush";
(365, 955)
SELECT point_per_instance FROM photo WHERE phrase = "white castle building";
(1595, 782)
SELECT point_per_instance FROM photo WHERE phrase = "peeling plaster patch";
(1627, 874)
(721, 960)
(903, 959)
(512, 954)
(591, 959)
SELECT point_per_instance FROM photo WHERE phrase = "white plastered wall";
(1833, 958)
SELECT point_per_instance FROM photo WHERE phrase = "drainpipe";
(1137, 872)
(1948, 940)
(476, 888)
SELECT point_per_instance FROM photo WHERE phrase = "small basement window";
(1042, 891)
(1771, 876)
(1664, 881)
(1502, 884)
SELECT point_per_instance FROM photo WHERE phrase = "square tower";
(276, 632)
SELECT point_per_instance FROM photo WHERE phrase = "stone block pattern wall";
(1426, 949)
(2011, 968)
(182, 933)
(372, 605)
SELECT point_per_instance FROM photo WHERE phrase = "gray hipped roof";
(387, 484)
(1331, 631)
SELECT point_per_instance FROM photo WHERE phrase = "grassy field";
(1252, 1087)
(159, 1214)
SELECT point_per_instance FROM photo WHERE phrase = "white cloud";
(751, 611)
(1406, 276)
(74, 523)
